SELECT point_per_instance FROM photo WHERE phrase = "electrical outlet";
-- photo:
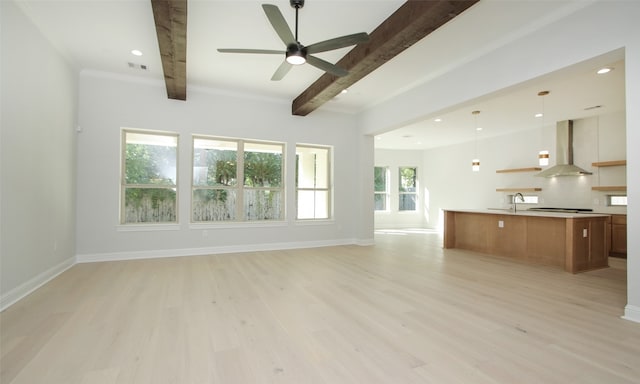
(584, 232)
(500, 224)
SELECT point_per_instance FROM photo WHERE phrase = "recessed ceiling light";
(438, 120)
(479, 129)
(136, 52)
(538, 115)
(604, 70)
(344, 91)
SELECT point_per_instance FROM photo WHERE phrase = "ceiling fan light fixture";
(296, 58)
(296, 55)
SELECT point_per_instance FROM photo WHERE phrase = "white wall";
(108, 103)
(447, 181)
(452, 185)
(37, 158)
(597, 28)
(632, 60)
(392, 218)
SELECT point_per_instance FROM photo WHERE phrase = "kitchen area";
(605, 133)
(515, 207)
(577, 237)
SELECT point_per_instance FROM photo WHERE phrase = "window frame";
(528, 199)
(414, 193)
(124, 185)
(239, 188)
(387, 189)
(329, 183)
(612, 203)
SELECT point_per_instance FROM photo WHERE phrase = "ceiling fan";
(296, 53)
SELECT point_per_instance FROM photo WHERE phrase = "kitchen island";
(575, 241)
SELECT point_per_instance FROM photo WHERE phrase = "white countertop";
(524, 212)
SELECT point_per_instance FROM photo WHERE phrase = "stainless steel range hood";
(564, 153)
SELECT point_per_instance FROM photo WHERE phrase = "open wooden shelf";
(530, 169)
(619, 188)
(518, 189)
(613, 163)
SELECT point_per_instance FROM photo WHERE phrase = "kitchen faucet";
(515, 201)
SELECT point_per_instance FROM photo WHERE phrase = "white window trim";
(387, 191)
(406, 211)
(121, 201)
(611, 204)
(135, 227)
(329, 188)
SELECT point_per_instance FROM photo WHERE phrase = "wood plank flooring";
(402, 311)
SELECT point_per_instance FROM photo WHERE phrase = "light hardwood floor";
(402, 311)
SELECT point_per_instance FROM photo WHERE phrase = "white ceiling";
(99, 35)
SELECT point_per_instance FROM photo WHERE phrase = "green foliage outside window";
(149, 178)
(380, 179)
(262, 169)
(144, 164)
(407, 179)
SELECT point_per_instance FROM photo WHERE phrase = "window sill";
(238, 224)
(147, 227)
(315, 222)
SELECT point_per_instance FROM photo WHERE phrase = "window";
(617, 200)
(528, 199)
(263, 190)
(407, 189)
(217, 195)
(215, 180)
(149, 177)
(313, 182)
(381, 188)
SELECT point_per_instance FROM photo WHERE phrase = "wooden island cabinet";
(618, 236)
(577, 242)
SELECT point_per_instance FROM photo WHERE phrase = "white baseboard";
(632, 313)
(162, 253)
(19, 292)
(365, 242)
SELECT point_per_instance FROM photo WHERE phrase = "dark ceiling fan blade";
(338, 42)
(279, 23)
(326, 66)
(282, 70)
(261, 51)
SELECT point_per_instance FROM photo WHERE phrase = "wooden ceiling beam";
(170, 17)
(414, 20)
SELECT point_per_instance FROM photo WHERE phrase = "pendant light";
(543, 155)
(475, 163)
